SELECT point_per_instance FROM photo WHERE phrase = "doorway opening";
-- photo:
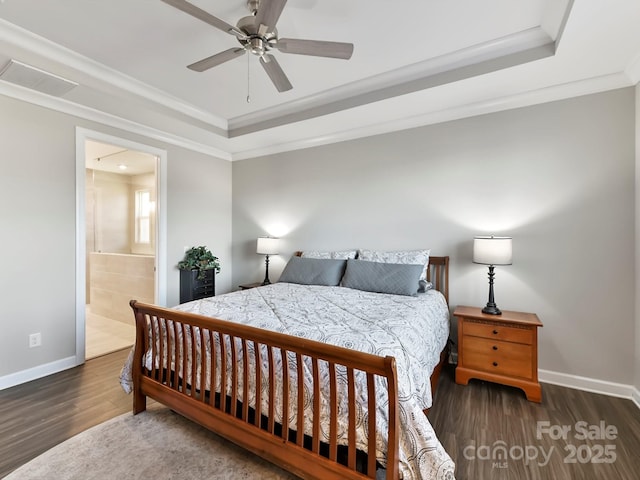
(120, 239)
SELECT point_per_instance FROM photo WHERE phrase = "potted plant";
(200, 259)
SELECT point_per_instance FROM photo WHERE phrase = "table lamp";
(492, 251)
(267, 246)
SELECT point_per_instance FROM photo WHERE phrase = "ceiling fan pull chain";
(248, 70)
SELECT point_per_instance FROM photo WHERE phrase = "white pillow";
(338, 255)
(406, 257)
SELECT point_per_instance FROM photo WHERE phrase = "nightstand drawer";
(502, 358)
(499, 332)
(203, 291)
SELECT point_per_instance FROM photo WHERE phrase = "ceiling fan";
(258, 35)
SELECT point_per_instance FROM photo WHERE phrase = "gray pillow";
(313, 271)
(394, 278)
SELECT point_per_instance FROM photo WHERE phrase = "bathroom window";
(143, 216)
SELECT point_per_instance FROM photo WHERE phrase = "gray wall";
(37, 217)
(637, 263)
(558, 177)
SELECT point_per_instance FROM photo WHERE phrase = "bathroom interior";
(120, 189)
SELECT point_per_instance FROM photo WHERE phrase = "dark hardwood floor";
(472, 422)
(40, 414)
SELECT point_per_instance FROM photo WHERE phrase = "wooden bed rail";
(223, 391)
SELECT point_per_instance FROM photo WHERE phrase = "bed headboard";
(437, 274)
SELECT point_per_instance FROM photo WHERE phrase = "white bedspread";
(414, 330)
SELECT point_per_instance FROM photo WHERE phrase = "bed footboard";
(222, 391)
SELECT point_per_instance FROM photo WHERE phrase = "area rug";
(156, 444)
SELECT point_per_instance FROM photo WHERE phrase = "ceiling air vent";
(36, 79)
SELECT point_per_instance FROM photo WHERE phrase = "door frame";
(160, 294)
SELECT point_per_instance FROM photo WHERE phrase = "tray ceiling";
(414, 62)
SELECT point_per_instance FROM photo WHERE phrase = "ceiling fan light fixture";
(257, 46)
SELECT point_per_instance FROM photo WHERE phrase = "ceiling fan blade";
(206, 17)
(316, 48)
(268, 14)
(275, 72)
(217, 59)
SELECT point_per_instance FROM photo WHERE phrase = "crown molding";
(633, 70)
(548, 94)
(534, 97)
(100, 73)
(517, 48)
(510, 50)
(64, 106)
(544, 95)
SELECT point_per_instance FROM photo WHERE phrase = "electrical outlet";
(453, 358)
(35, 340)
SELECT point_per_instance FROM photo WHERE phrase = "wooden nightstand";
(247, 286)
(499, 348)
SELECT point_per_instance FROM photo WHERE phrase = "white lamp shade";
(267, 246)
(492, 250)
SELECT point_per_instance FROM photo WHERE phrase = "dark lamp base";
(491, 310)
(266, 271)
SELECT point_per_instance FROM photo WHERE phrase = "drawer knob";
(495, 347)
(495, 332)
(495, 364)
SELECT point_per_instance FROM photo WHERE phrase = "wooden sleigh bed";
(169, 336)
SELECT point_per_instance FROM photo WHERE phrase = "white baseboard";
(37, 372)
(590, 385)
(635, 396)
